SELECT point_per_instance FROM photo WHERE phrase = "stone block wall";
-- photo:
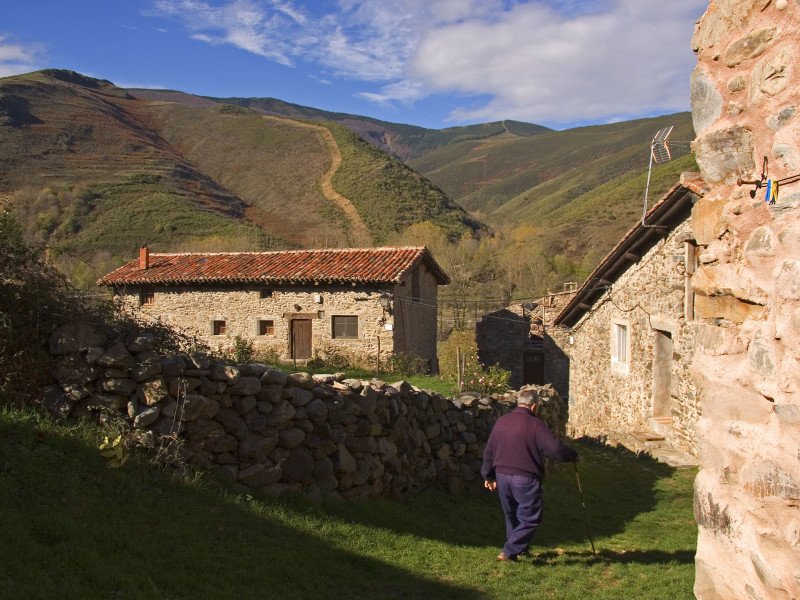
(608, 397)
(192, 309)
(276, 433)
(745, 95)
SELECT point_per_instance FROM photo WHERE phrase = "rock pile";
(277, 433)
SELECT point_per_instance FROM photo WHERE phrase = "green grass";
(74, 529)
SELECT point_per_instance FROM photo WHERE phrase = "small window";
(345, 327)
(219, 328)
(619, 343)
(266, 293)
(147, 297)
(266, 327)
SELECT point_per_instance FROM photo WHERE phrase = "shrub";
(243, 350)
(461, 346)
(329, 358)
(407, 364)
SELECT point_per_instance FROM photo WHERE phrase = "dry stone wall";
(275, 433)
(745, 95)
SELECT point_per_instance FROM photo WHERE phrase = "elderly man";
(513, 464)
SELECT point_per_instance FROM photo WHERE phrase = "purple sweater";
(518, 444)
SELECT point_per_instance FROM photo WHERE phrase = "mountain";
(580, 189)
(93, 170)
(406, 142)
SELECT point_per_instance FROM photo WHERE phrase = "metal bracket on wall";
(772, 185)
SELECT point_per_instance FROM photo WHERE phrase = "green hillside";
(389, 195)
(482, 177)
(404, 141)
(94, 172)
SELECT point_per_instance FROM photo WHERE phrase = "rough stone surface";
(706, 101)
(750, 46)
(746, 372)
(383, 440)
(724, 155)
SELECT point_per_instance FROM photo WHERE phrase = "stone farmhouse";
(365, 304)
(515, 338)
(628, 333)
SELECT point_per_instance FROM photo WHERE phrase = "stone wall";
(275, 433)
(193, 309)
(607, 396)
(745, 95)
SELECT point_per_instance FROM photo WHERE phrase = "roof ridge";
(296, 251)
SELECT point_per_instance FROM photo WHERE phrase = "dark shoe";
(504, 558)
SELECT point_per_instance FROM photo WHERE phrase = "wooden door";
(662, 374)
(301, 338)
(533, 368)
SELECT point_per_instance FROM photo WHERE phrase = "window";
(146, 297)
(620, 346)
(266, 327)
(345, 327)
(266, 293)
(218, 327)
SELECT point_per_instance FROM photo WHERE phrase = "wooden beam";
(632, 256)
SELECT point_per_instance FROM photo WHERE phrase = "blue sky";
(433, 63)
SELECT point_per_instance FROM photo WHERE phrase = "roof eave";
(659, 218)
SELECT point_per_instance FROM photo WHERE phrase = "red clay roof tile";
(362, 265)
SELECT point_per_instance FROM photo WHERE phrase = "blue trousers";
(521, 498)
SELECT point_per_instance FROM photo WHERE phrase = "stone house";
(628, 333)
(362, 303)
(515, 338)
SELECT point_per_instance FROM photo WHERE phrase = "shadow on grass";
(618, 485)
(644, 557)
(79, 530)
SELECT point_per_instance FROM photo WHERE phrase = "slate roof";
(671, 210)
(340, 265)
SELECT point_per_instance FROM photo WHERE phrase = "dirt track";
(358, 234)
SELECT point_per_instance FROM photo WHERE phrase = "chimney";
(144, 257)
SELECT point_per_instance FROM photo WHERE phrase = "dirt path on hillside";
(358, 234)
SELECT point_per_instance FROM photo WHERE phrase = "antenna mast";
(659, 153)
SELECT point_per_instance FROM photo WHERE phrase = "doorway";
(533, 368)
(662, 375)
(301, 338)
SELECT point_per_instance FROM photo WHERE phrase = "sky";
(431, 63)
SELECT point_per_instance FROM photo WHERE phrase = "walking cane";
(585, 513)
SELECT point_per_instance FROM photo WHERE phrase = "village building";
(515, 338)
(626, 337)
(363, 304)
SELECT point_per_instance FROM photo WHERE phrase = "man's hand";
(490, 485)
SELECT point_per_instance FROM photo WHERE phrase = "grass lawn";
(70, 528)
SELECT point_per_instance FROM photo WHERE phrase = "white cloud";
(268, 30)
(16, 58)
(552, 61)
(538, 64)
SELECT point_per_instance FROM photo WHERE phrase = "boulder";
(76, 337)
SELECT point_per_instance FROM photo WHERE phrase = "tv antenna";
(659, 153)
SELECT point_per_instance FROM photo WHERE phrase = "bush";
(329, 358)
(407, 364)
(36, 299)
(461, 345)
